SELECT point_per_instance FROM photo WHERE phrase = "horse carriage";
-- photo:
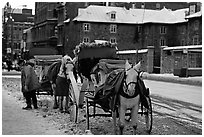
(42, 65)
(109, 84)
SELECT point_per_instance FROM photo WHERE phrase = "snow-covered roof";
(184, 47)
(132, 16)
(197, 14)
(159, 16)
(102, 14)
(132, 51)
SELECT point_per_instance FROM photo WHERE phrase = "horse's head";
(130, 81)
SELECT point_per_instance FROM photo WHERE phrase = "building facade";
(44, 29)
(14, 22)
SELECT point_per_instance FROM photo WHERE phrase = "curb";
(177, 80)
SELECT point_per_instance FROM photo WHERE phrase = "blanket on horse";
(107, 95)
(53, 70)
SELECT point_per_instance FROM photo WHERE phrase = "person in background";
(62, 84)
(29, 82)
(9, 64)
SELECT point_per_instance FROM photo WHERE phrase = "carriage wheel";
(87, 114)
(72, 105)
(148, 116)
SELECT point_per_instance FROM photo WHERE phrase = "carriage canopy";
(89, 55)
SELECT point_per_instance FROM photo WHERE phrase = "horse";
(129, 99)
(53, 75)
(133, 100)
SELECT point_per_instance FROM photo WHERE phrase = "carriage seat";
(108, 65)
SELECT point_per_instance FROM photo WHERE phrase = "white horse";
(129, 88)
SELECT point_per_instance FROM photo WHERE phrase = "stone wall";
(178, 59)
(145, 57)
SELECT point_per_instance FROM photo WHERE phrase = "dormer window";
(113, 16)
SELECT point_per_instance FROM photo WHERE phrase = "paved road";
(16, 121)
(186, 93)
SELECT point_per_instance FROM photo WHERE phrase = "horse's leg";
(134, 116)
(66, 104)
(61, 103)
(122, 111)
(55, 106)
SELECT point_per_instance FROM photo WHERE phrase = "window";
(86, 26)
(196, 25)
(195, 40)
(163, 30)
(113, 15)
(162, 42)
(139, 29)
(86, 40)
(183, 42)
(113, 40)
(183, 29)
(146, 30)
(113, 28)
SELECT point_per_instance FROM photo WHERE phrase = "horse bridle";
(133, 82)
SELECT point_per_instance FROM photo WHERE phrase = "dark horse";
(52, 75)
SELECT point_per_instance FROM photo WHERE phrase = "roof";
(132, 16)
(197, 14)
(132, 51)
(102, 14)
(184, 47)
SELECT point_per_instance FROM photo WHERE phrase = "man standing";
(29, 83)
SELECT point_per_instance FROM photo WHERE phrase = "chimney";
(142, 5)
(107, 4)
(127, 6)
(133, 6)
(192, 9)
(157, 6)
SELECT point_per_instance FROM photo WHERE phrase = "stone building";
(44, 30)
(129, 28)
(14, 22)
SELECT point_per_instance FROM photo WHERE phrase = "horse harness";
(126, 85)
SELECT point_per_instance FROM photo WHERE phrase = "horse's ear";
(127, 65)
(137, 66)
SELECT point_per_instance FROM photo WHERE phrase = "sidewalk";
(197, 81)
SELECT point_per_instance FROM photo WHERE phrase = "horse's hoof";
(67, 111)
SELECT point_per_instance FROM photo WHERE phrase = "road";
(177, 110)
(16, 121)
(181, 92)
